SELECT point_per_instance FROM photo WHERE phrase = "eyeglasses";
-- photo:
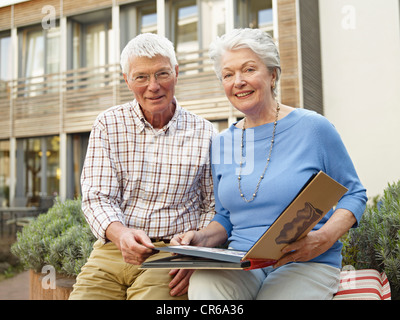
(143, 79)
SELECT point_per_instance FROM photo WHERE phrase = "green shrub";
(375, 244)
(60, 238)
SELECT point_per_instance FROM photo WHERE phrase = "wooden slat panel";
(5, 21)
(36, 106)
(82, 121)
(77, 6)
(27, 13)
(88, 91)
(37, 126)
(288, 48)
(199, 89)
(36, 115)
(30, 12)
(311, 55)
(5, 129)
(124, 95)
(208, 108)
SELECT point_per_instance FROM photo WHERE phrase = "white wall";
(360, 44)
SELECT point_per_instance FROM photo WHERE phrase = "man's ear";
(126, 79)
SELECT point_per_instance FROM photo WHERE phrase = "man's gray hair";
(147, 45)
(255, 39)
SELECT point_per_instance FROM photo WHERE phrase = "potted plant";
(58, 241)
(375, 244)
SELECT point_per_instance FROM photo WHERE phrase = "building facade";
(59, 68)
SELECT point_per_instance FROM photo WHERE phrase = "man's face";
(155, 96)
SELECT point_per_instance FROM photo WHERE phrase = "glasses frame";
(143, 79)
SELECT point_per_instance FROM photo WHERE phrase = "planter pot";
(40, 288)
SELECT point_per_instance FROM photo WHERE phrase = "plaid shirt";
(158, 181)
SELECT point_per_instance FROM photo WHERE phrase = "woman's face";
(246, 80)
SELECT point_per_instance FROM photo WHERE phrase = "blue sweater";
(305, 143)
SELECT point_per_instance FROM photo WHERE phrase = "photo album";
(314, 200)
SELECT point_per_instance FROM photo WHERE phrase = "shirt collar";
(141, 123)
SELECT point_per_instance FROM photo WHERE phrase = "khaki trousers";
(106, 276)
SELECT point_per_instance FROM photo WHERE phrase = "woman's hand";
(213, 235)
(317, 242)
(191, 237)
(306, 249)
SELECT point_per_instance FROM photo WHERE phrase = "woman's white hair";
(255, 39)
(147, 45)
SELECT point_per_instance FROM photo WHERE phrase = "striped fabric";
(366, 284)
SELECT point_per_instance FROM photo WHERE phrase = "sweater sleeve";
(222, 215)
(338, 164)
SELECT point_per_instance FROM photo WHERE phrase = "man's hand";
(180, 283)
(134, 245)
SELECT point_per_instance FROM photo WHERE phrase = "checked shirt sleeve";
(207, 191)
(100, 188)
(208, 204)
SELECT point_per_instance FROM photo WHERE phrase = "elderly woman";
(273, 152)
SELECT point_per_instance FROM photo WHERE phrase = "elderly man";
(146, 178)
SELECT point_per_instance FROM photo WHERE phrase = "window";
(184, 26)
(136, 19)
(77, 144)
(32, 53)
(38, 170)
(89, 36)
(255, 14)
(40, 51)
(90, 52)
(5, 74)
(5, 57)
(147, 19)
(39, 62)
(96, 41)
(212, 21)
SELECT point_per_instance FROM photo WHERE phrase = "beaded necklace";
(268, 159)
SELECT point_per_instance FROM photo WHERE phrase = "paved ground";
(15, 288)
